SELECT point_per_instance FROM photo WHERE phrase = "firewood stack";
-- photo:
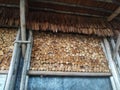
(67, 53)
(7, 38)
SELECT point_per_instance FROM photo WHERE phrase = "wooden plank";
(52, 73)
(3, 71)
(114, 14)
(2, 81)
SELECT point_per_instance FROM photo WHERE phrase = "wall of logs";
(7, 37)
(67, 53)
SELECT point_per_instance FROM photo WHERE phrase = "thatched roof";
(78, 16)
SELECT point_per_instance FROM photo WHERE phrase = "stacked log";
(67, 53)
(7, 37)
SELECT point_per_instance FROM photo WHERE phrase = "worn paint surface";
(69, 83)
(2, 81)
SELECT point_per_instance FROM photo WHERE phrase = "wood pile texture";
(67, 53)
(7, 37)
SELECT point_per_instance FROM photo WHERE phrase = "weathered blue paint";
(2, 81)
(69, 83)
(64, 83)
(17, 86)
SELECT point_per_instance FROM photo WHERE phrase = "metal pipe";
(12, 64)
(25, 65)
(23, 25)
(112, 64)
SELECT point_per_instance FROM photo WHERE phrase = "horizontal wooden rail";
(57, 73)
(3, 71)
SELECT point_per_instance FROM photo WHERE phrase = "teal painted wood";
(2, 81)
(69, 83)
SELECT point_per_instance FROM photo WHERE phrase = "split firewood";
(7, 37)
(67, 53)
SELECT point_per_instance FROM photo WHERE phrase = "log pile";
(7, 38)
(67, 53)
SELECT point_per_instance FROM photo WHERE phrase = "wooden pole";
(116, 48)
(111, 77)
(53, 73)
(26, 62)
(114, 14)
(13, 64)
(23, 24)
(117, 55)
(112, 64)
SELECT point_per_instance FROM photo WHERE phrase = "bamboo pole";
(111, 77)
(112, 64)
(14, 61)
(28, 66)
(116, 47)
(23, 24)
(114, 14)
(117, 55)
(26, 62)
(52, 73)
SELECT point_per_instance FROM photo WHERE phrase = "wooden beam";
(3, 72)
(66, 12)
(23, 24)
(114, 14)
(57, 73)
(116, 47)
(72, 5)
